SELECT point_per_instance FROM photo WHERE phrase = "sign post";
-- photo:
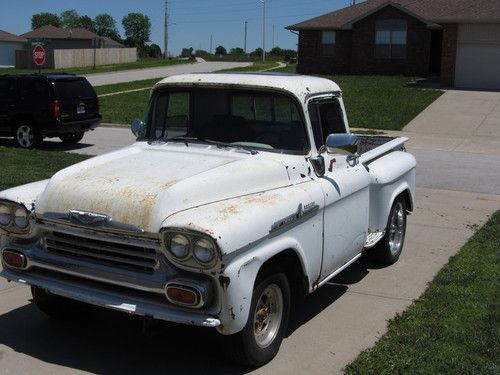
(39, 56)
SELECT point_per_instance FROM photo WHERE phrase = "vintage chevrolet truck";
(241, 193)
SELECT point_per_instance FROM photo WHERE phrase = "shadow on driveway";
(47, 145)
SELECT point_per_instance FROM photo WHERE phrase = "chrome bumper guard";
(111, 299)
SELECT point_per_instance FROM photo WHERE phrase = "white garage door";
(478, 56)
(8, 52)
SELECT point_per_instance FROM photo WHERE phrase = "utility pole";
(263, 30)
(245, 43)
(273, 36)
(210, 43)
(165, 35)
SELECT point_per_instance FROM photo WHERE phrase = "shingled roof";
(8, 37)
(52, 32)
(430, 11)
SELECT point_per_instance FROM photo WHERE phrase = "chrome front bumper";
(116, 300)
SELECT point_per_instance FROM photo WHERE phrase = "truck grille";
(131, 257)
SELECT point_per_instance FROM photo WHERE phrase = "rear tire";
(71, 138)
(57, 307)
(388, 250)
(260, 339)
(26, 136)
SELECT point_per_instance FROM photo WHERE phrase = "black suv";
(47, 105)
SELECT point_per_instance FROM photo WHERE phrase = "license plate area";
(80, 109)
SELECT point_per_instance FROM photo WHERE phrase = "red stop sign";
(39, 55)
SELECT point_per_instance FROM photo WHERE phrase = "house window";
(328, 43)
(390, 39)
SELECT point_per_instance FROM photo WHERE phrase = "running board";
(339, 270)
(373, 238)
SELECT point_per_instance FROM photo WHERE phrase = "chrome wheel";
(25, 136)
(397, 227)
(268, 315)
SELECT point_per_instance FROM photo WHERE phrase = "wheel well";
(406, 195)
(289, 263)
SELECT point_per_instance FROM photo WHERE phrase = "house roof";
(52, 32)
(430, 11)
(8, 37)
(111, 42)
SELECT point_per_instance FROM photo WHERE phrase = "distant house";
(65, 38)
(9, 43)
(459, 40)
(110, 43)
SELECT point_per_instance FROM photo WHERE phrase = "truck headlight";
(189, 248)
(14, 217)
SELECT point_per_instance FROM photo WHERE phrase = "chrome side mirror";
(342, 143)
(318, 163)
(138, 128)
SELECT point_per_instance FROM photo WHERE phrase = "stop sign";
(39, 55)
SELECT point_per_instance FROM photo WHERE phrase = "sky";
(192, 22)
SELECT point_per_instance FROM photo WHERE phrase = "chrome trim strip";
(336, 272)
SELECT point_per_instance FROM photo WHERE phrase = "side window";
(6, 88)
(171, 113)
(326, 118)
(33, 88)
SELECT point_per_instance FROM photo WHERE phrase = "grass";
(117, 87)
(454, 328)
(122, 108)
(380, 102)
(20, 167)
(139, 64)
(256, 66)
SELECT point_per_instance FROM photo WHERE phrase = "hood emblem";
(88, 218)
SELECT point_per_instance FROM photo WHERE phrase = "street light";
(263, 29)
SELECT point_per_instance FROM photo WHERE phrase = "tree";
(86, 22)
(154, 51)
(257, 52)
(105, 25)
(44, 18)
(70, 18)
(220, 50)
(186, 52)
(236, 51)
(137, 28)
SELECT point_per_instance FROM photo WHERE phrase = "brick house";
(459, 40)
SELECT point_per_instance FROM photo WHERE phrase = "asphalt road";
(160, 72)
(458, 187)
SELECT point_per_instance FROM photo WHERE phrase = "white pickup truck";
(241, 192)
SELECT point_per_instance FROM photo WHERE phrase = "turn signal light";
(13, 259)
(182, 296)
(56, 109)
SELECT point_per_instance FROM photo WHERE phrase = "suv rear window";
(71, 88)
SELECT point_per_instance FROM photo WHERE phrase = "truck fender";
(236, 283)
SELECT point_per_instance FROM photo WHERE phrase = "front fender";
(25, 194)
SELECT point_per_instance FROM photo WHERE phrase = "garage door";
(478, 56)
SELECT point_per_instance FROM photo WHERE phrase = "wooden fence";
(70, 58)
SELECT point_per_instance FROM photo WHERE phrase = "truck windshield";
(256, 120)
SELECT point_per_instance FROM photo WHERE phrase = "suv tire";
(71, 138)
(26, 136)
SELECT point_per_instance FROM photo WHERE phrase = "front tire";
(57, 307)
(71, 138)
(259, 341)
(26, 136)
(389, 249)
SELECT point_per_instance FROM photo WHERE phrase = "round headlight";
(179, 246)
(204, 251)
(5, 215)
(21, 218)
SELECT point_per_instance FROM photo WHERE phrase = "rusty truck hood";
(144, 184)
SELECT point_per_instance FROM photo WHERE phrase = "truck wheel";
(260, 340)
(71, 138)
(388, 250)
(57, 307)
(26, 136)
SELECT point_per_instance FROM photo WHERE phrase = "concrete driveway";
(458, 187)
(160, 72)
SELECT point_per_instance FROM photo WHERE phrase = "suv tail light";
(56, 109)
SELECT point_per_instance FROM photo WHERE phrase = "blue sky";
(193, 21)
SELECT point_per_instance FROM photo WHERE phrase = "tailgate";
(77, 99)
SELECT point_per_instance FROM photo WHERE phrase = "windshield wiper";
(219, 144)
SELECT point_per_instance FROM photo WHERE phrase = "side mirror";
(138, 128)
(318, 163)
(342, 143)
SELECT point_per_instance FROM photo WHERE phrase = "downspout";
(296, 33)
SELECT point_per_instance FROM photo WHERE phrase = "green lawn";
(139, 64)
(122, 108)
(256, 66)
(106, 89)
(23, 166)
(454, 328)
(380, 102)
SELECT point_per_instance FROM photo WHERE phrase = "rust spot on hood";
(224, 281)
